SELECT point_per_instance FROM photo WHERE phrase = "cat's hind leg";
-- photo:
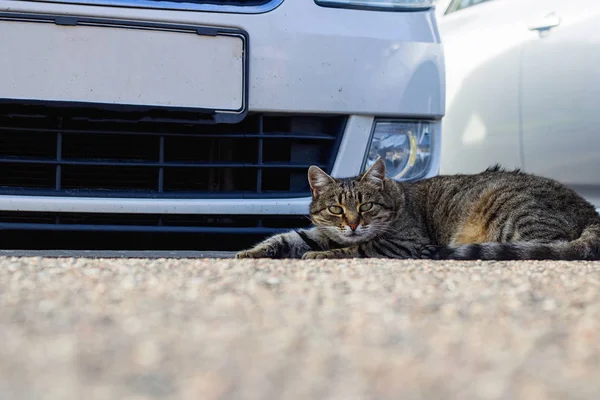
(527, 236)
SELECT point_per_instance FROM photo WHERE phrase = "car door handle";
(550, 21)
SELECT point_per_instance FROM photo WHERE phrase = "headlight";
(405, 146)
(392, 5)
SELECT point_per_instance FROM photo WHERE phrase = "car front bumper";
(304, 59)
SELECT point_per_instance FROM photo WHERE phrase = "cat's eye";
(365, 207)
(337, 210)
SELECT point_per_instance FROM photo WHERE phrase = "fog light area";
(405, 146)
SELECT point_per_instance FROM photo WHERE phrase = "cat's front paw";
(317, 255)
(430, 252)
(259, 252)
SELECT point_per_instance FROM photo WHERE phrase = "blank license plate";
(91, 61)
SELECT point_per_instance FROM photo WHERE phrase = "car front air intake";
(75, 151)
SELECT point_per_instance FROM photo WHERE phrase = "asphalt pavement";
(177, 328)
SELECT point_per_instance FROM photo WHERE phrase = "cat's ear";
(318, 180)
(375, 174)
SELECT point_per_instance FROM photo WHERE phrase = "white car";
(202, 117)
(523, 87)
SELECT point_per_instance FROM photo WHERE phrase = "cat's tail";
(586, 247)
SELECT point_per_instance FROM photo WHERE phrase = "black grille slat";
(161, 160)
(38, 176)
(157, 164)
(63, 151)
(218, 149)
(109, 147)
(269, 135)
(260, 155)
(36, 145)
(88, 231)
(105, 178)
(205, 180)
(229, 224)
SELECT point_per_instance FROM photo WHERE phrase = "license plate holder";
(125, 64)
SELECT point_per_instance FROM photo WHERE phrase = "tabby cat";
(492, 215)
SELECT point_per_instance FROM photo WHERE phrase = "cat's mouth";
(356, 236)
(348, 236)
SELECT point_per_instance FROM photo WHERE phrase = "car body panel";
(521, 86)
(367, 63)
(481, 46)
(560, 88)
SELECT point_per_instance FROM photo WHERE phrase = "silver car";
(123, 120)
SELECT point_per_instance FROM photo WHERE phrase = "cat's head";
(351, 210)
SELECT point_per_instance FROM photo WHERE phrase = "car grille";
(70, 151)
(183, 223)
(101, 231)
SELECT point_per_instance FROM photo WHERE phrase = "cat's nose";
(353, 226)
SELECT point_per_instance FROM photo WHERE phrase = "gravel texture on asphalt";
(259, 329)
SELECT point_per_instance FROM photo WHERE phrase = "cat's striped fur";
(493, 215)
